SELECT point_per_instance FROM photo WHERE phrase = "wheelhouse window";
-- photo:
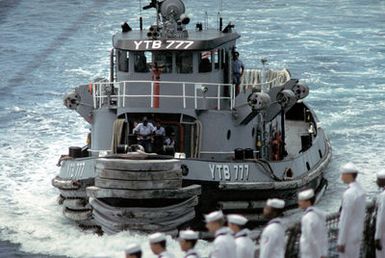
(164, 61)
(184, 62)
(205, 62)
(123, 61)
(142, 61)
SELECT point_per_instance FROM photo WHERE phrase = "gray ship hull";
(235, 187)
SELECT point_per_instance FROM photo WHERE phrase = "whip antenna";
(220, 15)
(140, 15)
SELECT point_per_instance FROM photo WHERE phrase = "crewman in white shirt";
(159, 130)
(144, 132)
(133, 251)
(187, 241)
(272, 242)
(351, 224)
(224, 244)
(314, 236)
(158, 245)
(379, 236)
(245, 246)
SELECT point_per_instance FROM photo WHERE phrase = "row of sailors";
(234, 241)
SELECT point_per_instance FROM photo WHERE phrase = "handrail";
(102, 92)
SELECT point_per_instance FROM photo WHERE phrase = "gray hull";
(148, 195)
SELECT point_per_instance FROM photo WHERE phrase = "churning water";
(47, 47)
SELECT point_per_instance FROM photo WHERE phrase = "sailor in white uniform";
(158, 245)
(351, 224)
(224, 244)
(245, 246)
(187, 241)
(379, 236)
(133, 251)
(314, 236)
(272, 244)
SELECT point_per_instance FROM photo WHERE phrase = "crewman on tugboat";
(133, 251)
(224, 244)
(314, 235)
(158, 245)
(276, 146)
(379, 235)
(187, 242)
(159, 137)
(237, 70)
(351, 223)
(245, 246)
(144, 133)
(272, 242)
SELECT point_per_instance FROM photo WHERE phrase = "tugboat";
(221, 141)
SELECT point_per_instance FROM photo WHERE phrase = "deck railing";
(367, 246)
(193, 95)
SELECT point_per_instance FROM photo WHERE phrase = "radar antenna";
(172, 15)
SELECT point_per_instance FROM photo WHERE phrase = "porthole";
(253, 132)
(228, 134)
(185, 170)
(307, 166)
(320, 153)
(289, 173)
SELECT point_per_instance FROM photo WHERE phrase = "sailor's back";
(224, 245)
(313, 241)
(352, 217)
(245, 246)
(273, 240)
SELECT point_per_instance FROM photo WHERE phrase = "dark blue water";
(48, 47)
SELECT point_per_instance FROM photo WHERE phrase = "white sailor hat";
(236, 219)
(188, 235)
(156, 238)
(276, 203)
(306, 195)
(349, 168)
(214, 216)
(133, 248)
(381, 174)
